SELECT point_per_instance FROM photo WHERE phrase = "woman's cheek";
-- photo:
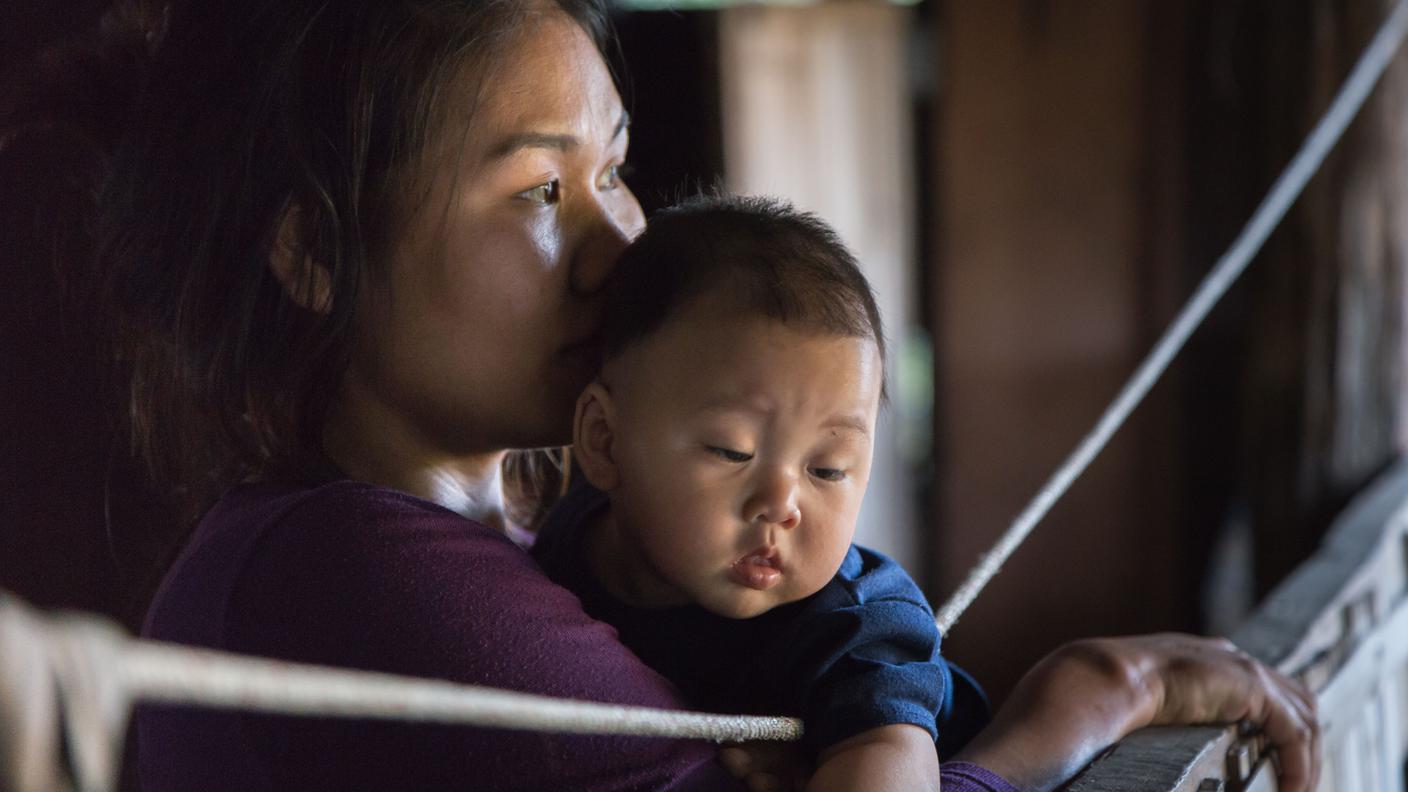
(546, 243)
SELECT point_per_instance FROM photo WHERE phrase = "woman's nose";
(616, 219)
(774, 502)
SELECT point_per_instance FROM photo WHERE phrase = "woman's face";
(487, 327)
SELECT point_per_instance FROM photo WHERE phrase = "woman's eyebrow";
(521, 140)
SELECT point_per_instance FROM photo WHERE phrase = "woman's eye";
(729, 454)
(614, 176)
(544, 194)
(610, 179)
(828, 474)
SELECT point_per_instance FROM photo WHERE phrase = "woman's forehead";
(551, 86)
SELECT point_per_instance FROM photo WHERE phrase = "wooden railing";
(1340, 625)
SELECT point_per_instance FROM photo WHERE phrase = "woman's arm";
(1088, 694)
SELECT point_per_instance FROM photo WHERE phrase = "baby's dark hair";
(779, 263)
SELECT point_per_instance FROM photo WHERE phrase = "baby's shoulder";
(868, 576)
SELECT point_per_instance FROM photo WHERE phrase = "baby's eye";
(544, 194)
(729, 454)
(828, 474)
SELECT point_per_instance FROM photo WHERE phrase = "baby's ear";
(304, 281)
(594, 434)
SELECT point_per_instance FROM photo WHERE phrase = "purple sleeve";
(966, 777)
(364, 577)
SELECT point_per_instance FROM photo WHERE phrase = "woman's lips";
(760, 569)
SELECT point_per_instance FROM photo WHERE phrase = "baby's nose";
(775, 502)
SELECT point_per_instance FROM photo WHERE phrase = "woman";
(359, 247)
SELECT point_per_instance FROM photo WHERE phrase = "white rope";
(93, 673)
(165, 672)
(1283, 193)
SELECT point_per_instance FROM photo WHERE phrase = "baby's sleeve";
(865, 654)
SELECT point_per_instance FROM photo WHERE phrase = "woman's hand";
(1088, 694)
(1211, 680)
(767, 766)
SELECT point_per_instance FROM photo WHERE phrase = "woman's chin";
(578, 365)
(547, 426)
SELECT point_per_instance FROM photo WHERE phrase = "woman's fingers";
(1293, 728)
(1291, 735)
(1211, 680)
(766, 766)
(736, 761)
(1285, 713)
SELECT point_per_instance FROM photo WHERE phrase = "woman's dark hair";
(250, 108)
(773, 261)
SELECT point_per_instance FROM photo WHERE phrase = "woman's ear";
(593, 435)
(304, 281)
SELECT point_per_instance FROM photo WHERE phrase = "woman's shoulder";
(268, 546)
(343, 504)
(345, 527)
(358, 576)
(355, 575)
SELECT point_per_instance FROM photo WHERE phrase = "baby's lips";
(758, 559)
(761, 569)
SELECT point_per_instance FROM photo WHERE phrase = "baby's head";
(733, 421)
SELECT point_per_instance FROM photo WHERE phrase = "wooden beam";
(1340, 622)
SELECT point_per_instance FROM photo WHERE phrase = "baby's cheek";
(820, 569)
(832, 551)
(681, 552)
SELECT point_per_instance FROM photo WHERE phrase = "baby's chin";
(749, 604)
(740, 610)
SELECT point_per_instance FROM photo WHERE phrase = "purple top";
(354, 575)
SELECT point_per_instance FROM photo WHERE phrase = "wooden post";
(1323, 392)
(1058, 203)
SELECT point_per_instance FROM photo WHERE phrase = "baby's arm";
(898, 757)
(868, 679)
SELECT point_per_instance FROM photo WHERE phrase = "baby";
(727, 444)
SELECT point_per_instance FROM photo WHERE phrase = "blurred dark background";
(1036, 186)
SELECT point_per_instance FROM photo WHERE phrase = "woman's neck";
(370, 445)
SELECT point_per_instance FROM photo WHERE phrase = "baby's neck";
(622, 570)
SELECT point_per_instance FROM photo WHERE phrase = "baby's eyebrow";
(737, 404)
(853, 422)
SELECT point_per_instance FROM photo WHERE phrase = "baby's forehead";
(719, 312)
(730, 354)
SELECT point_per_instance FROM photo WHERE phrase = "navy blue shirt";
(861, 653)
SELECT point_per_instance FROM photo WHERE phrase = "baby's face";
(743, 451)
